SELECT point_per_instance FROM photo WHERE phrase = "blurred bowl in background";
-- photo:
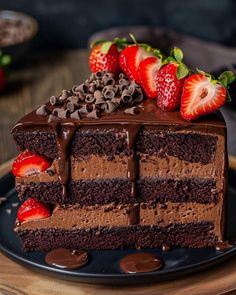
(17, 30)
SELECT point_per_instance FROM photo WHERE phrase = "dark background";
(69, 23)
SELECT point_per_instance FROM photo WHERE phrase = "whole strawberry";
(202, 94)
(170, 81)
(105, 56)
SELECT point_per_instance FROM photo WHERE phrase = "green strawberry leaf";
(95, 43)
(177, 54)
(133, 38)
(106, 46)
(182, 71)
(228, 96)
(226, 78)
(157, 53)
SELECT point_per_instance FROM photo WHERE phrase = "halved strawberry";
(202, 95)
(32, 209)
(130, 59)
(28, 163)
(148, 70)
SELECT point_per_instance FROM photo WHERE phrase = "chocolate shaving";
(110, 106)
(98, 95)
(99, 101)
(89, 98)
(52, 118)
(65, 94)
(82, 88)
(132, 111)
(42, 110)
(93, 114)
(108, 80)
(73, 99)
(92, 88)
(75, 115)
(63, 114)
(84, 109)
(126, 97)
(98, 75)
(70, 106)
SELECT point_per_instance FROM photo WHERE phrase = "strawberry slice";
(201, 95)
(27, 164)
(130, 59)
(148, 70)
(33, 209)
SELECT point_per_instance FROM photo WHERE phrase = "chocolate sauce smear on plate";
(140, 262)
(67, 259)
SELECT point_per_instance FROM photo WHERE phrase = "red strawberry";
(27, 164)
(202, 95)
(170, 80)
(130, 59)
(148, 70)
(32, 209)
(169, 87)
(104, 57)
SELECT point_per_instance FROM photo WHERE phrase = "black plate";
(103, 266)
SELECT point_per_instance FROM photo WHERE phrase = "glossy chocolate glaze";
(66, 259)
(140, 262)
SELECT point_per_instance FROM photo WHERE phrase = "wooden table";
(31, 84)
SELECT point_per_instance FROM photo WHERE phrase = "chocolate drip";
(132, 173)
(67, 259)
(140, 262)
(64, 134)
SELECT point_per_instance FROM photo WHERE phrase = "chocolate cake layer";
(161, 190)
(104, 191)
(187, 146)
(110, 141)
(98, 238)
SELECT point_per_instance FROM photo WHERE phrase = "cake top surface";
(105, 99)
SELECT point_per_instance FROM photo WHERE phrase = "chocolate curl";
(126, 97)
(98, 95)
(70, 107)
(54, 100)
(75, 115)
(109, 94)
(52, 118)
(133, 83)
(81, 96)
(110, 107)
(92, 88)
(124, 82)
(109, 75)
(91, 78)
(63, 114)
(99, 101)
(132, 111)
(108, 80)
(64, 94)
(116, 100)
(98, 75)
(42, 110)
(93, 114)
(89, 98)
(74, 100)
(121, 76)
(83, 109)
(57, 110)
(82, 88)
(74, 89)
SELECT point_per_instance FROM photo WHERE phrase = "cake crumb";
(8, 211)
(14, 204)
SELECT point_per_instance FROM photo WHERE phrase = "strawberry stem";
(133, 38)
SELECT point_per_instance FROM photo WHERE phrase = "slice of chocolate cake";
(119, 172)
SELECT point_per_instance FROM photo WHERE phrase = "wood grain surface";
(18, 280)
(30, 85)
